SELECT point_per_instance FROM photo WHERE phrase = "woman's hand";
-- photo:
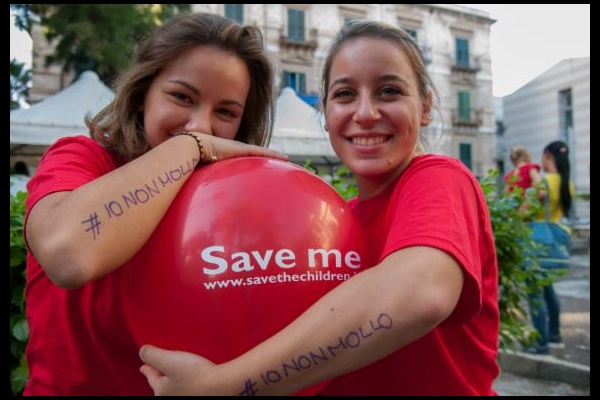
(172, 372)
(216, 148)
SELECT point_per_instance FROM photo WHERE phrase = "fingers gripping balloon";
(248, 245)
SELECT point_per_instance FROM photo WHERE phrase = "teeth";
(368, 141)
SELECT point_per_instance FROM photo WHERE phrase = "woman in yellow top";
(544, 305)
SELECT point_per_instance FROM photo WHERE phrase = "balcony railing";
(309, 43)
(473, 67)
(472, 119)
(468, 69)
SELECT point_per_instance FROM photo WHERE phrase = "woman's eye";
(227, 112)
(391, 91)
(342, 93)
(181, 97)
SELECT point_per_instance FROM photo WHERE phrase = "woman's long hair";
(560, 152)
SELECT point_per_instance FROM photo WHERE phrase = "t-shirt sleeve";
(441, 205)
(66, 165)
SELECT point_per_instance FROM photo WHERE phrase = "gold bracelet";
(198, 141)
(200, 147)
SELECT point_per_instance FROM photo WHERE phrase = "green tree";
(98, 37)
(20, 76)
(19, 332)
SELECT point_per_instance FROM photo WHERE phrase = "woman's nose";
(366, 112)
(199, 121)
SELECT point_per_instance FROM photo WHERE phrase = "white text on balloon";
(284, 258)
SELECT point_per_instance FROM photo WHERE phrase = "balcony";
(308, 45)
(464, 74)
(472, 68)
(473, 120)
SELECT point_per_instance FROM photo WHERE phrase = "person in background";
(544, 304)
(425, 319)
(174, 110)
(525, 174)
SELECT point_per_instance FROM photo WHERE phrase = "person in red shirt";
(525, 174)
(176, 108)
(425, 319)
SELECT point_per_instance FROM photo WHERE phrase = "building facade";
(455, 41)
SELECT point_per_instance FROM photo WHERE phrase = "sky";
(20, 44)
(526, 40)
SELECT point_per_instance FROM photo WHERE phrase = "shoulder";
(531, 167)
(79, 149)
(67, 164)
(79, 141)
(439, 168)
(437, 178)
(437, 160)
(72, 161)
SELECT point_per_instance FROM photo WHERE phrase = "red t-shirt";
(436, 202)
(520, 177)
(79, 341)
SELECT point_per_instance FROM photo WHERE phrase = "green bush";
(514, 248)
(19, 332)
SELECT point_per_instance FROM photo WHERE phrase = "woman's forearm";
(359, 322)
(82, 235)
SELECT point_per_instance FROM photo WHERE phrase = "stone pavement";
(509, 384)
(566, 372)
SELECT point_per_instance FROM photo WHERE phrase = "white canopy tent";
(298, 128)
(298, 131)
(33, 129)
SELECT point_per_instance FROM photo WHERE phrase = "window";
(565, 112)
(235, 12)
(351, 15)
(412, 33)
(462, 52)
(464, 106)
(296, 25)
(465, 154)
(295, 80)
(348, 19)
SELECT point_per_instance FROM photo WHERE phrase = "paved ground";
(518, 385)
(567, 371)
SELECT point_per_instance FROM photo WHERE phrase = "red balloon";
(248, 244)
